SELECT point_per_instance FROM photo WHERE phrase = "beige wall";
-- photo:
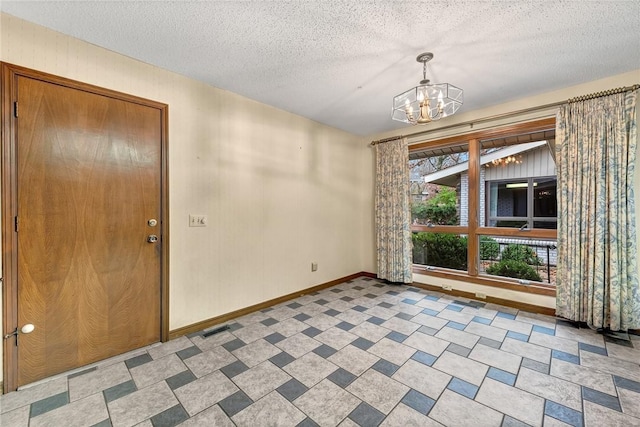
(280, 191)
(626, 79)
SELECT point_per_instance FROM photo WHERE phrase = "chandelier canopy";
(426, 102)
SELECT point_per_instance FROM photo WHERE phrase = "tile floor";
(360, 353)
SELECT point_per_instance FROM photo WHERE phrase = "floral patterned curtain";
(597, 279)
(393, 216)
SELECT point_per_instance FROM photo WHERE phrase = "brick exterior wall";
(463, 210)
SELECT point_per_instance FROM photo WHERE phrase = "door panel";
(88, 179)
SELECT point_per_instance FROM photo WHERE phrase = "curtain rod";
(392, 138)
(603, 93)
(510, 114)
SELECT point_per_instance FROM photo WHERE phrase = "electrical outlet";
(447, 287)
(197, 220)
(481, 295)
(314, 266)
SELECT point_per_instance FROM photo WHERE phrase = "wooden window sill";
(534, 288)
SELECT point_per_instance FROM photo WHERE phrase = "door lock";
(152, 222)
(152, 238)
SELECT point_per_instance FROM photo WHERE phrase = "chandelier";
(426, 102)
(505, 161)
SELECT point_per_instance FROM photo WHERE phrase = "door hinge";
(16, 224)
(15, 109)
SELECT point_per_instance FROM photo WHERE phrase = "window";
(444, 250)
(545, 203)
(484, 206)
(439, 207)
(437, 194)
(522, 259)
(527, 203)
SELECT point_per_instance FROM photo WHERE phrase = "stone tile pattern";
(360, 353)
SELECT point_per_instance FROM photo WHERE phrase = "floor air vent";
(215, 331)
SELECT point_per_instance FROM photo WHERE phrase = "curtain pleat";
(393, 217)
(597, 279)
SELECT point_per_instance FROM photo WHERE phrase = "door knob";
(152, 238)
(27, 329)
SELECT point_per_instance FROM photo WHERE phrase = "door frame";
(8, 199)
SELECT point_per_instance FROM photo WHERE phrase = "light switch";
(197, 220)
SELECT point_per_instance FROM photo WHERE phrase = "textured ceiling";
(341, 62)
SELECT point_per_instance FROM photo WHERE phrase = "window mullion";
(474, 206)
(530, 202)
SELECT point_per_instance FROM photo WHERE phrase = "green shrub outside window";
(516, 262)
(440, 250)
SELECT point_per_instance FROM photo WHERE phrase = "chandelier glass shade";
(426, 102)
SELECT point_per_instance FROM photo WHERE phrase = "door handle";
(26, 329)
(152, 238)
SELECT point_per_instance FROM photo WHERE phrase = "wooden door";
(88, 181)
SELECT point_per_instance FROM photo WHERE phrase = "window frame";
(473, 229)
